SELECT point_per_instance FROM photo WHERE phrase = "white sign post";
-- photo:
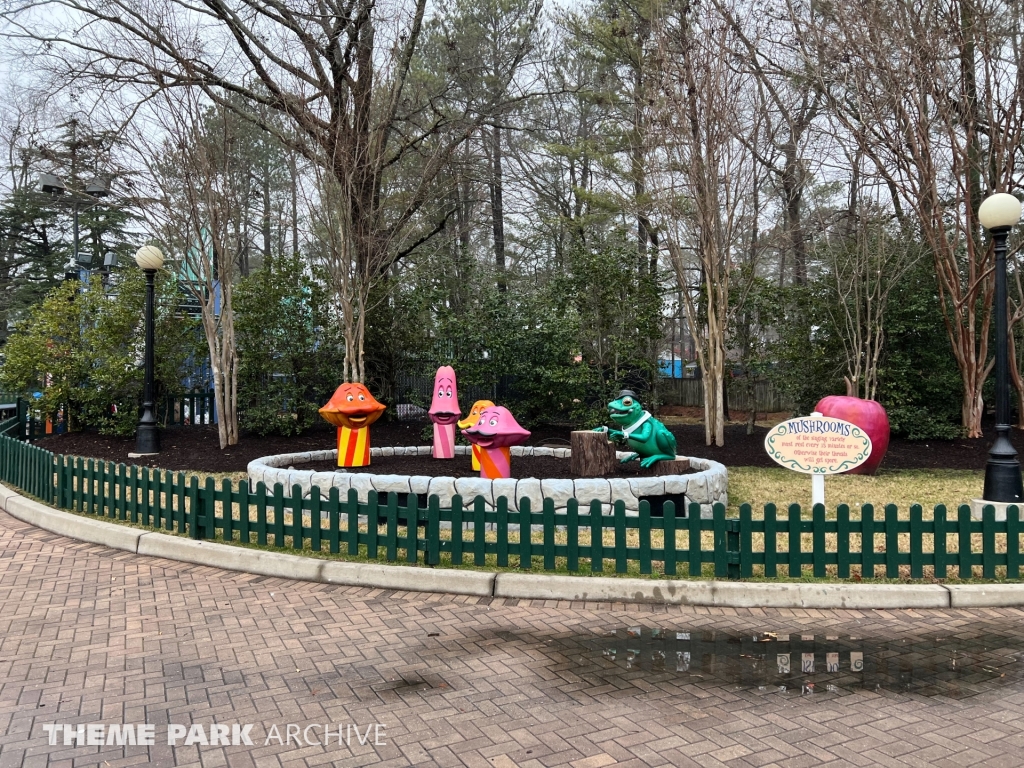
(818, 445)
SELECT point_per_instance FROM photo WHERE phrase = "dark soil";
(522, 466)
(197, 448)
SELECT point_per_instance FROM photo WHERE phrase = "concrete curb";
(398, 577)
(985, 595)
(72, 526)
(285, 566)
(725, 594)
(730, 594)
(275, 564)
(232, 558)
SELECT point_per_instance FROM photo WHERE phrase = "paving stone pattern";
(91, 635)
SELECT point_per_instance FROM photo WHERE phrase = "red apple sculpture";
(866, 414)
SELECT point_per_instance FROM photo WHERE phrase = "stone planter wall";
(707, 486)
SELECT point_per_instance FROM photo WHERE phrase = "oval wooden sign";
(818, 445)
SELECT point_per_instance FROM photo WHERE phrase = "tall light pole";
(77, 200)
(147, 437)
(998, 214)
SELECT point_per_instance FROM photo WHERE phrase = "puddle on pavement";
(806, 664)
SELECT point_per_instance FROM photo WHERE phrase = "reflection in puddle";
(817, 664)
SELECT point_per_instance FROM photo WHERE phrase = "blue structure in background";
(677, 368)
(671, 369)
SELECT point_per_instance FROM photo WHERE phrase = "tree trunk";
(266, 210)
(592, 454)
(792, 188)
(972, 408)
(752, 395)
(714, 396)
(498, 207)
(293, 172)
(224, 363)
(1015, 377)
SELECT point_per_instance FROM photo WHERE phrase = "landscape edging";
(707, 485)
(511, 585)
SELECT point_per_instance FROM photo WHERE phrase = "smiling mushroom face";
(444, 407)
(496, 428)
(352, 406)
(474, 413)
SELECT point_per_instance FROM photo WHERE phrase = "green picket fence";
(583, 537)
(25, 466)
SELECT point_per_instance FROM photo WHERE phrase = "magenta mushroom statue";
(496, 432)
(444, 412)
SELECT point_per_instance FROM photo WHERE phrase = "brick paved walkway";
(90, 635)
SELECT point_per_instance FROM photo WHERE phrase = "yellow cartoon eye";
(627, 401)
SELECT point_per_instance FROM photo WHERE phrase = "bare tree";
(198, 200)
(707, 178)
(789, 104)
(341, 72)
(866, 262)
(928, 95)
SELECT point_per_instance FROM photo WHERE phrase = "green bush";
(289, 347)
(556, 350)
(919, 383)
(82, 348)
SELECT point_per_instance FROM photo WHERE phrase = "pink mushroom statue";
(496, 432)
(444, 412)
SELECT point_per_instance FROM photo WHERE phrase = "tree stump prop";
(593, 455)
(677, 467)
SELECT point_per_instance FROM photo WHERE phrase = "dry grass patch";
(758, 486)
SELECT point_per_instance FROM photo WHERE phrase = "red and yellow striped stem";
(353, 447)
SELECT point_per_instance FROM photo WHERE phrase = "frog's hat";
(627, 393)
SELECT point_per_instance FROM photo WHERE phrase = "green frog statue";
(647, 437)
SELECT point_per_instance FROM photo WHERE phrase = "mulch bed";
(198, 448)
(541, 467)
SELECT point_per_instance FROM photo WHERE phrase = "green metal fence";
(9, 427)
(583, 537)
(190, 409)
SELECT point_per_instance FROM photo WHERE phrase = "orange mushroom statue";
(470, 421)
(352, 409)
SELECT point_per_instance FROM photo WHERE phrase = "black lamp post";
(998, 214)
(147, 437)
